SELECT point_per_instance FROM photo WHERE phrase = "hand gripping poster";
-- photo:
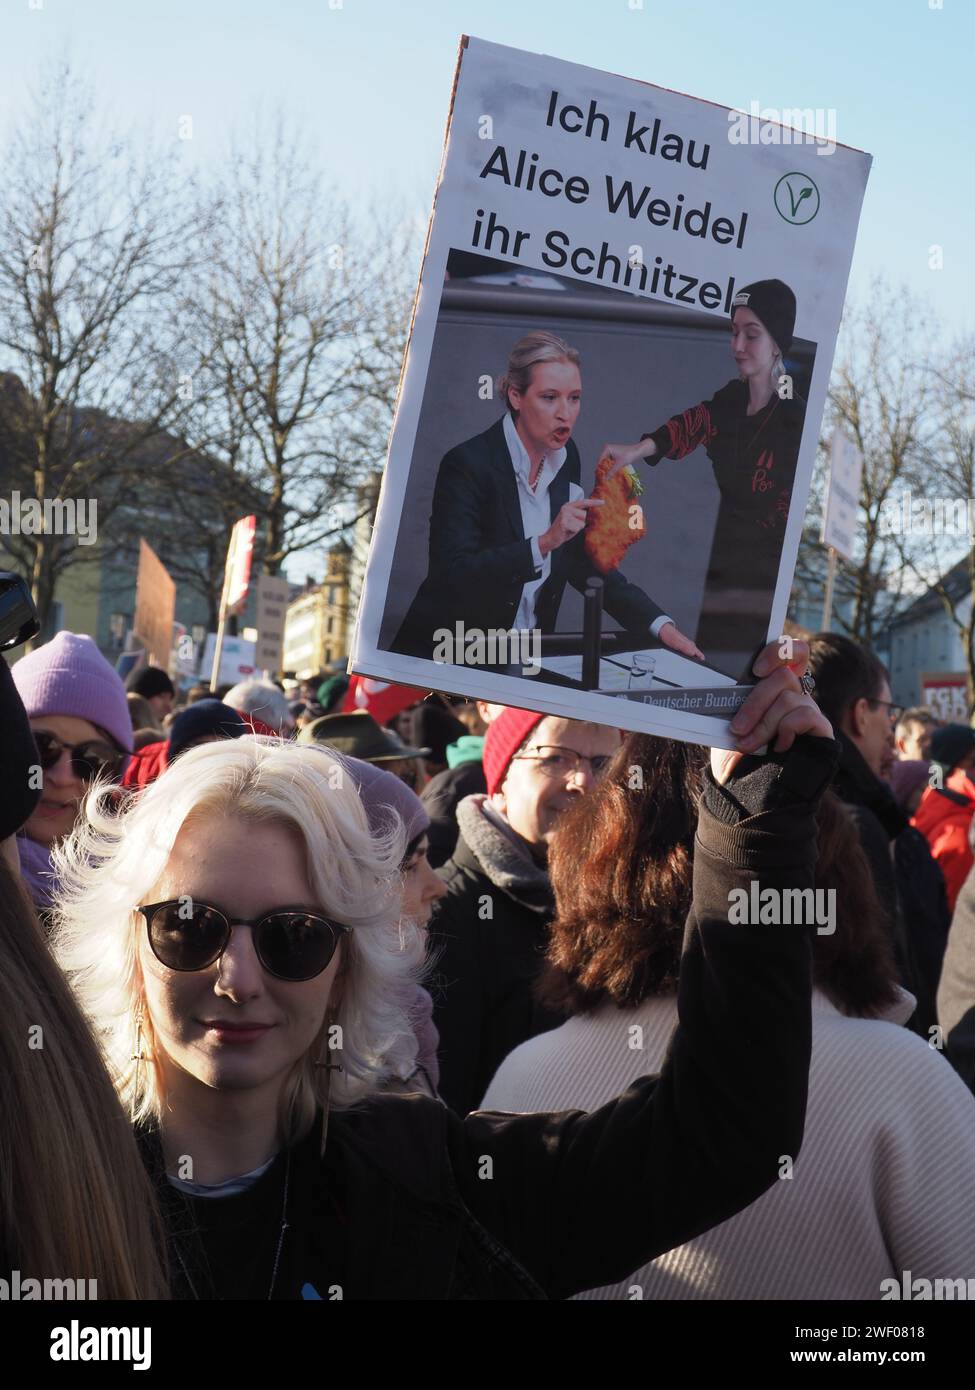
(611, 400)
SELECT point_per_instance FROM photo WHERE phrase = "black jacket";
(880, 822)
(415, 1203)
(488, 938)
(877, 815)
(956, 991)
(480, 559)
(440, 798)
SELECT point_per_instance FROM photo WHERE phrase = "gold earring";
(139, 1055)
(328, 1067)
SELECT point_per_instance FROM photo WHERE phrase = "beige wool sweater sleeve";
(884, 1185)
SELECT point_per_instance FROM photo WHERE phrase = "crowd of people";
(456, 1007)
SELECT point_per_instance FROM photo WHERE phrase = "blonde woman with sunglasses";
(237, 935)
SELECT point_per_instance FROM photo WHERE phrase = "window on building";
(116, 631)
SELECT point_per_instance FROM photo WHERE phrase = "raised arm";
(675, 439)
(583, 1200)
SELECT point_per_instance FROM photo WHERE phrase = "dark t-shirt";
(225, 1247)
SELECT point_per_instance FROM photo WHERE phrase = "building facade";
(924, 641)
(317, 627)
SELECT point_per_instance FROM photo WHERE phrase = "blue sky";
(369, 81)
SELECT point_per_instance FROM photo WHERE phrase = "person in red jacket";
(944, 816)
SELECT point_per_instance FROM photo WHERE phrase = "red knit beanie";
(504, 737)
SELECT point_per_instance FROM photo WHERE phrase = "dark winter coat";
(880, 822)
(488, 938)
(441, 796)
(956, 992)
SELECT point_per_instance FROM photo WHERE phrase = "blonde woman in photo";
(509, 515)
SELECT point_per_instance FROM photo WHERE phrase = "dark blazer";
(480, 559)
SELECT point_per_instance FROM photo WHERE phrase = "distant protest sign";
(843, 496)
(155, 607)
(945, 694)
(238, 659)
(611, 401)
(273, 593)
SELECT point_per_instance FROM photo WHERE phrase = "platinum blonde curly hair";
(114, 859)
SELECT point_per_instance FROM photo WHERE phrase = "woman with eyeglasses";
(79, 714)
(236, 936)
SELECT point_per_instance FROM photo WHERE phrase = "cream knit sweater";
(884, 1184)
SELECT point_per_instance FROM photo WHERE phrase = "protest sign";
(608, 263)
(272, 593)
(841, 512)
(237, 660)
(237, 574)
(843, 496)
(155, 607)
(945, 694)
(236, 582)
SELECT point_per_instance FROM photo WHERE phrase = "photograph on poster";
(610, 407)
(530, 377)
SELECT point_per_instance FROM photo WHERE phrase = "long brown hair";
(621, 870)
(75, 1201)
(620, 867)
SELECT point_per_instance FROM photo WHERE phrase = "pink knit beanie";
(69, 675)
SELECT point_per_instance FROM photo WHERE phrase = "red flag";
(237, 575)
(381, 699)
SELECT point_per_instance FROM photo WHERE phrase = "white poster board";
(842, 496)
(237, 659)
(271, 594)
(622, 220)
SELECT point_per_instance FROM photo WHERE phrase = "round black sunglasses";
(88, 760)
(291, 944)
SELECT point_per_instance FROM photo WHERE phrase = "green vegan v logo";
(796, 198)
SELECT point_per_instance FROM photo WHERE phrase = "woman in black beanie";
(751, 435)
